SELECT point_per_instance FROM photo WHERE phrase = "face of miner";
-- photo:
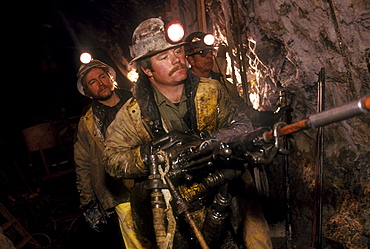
(168, 67)
(202, 61)
(99, 84)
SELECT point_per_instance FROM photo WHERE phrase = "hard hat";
(152, 37)
(198, 41)
(84, 68)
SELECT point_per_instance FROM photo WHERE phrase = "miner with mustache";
(172, 108)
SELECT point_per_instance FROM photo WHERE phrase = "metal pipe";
(317, 221)
(287, 118)
(340, 113)
(346, 111)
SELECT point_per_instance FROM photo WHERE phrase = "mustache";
(103, 87)
(179, 66)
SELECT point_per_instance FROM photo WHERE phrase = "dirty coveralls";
(94, 185)
(204, 106)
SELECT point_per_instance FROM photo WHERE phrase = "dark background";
(43, 42)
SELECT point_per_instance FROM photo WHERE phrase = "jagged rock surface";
(287, 43)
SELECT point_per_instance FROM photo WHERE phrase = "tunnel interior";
(265, 48)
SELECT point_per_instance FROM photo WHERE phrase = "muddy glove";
(174, 139)
(96, 217)
(172, 143)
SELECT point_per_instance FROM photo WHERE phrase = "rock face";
(287, 43)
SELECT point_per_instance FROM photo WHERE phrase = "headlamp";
(86, 58)
(174, 32)
(209, 39)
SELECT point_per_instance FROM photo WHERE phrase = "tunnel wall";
(287, 43)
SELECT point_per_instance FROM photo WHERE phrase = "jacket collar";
(104, 115)
(143, 92)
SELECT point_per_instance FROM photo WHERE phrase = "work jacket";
(93, 183)
(211, 109)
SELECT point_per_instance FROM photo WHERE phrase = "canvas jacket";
(92, 180)
(211, 109)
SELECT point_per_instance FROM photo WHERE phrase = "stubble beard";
(102, 97)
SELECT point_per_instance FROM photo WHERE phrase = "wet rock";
(293, 40)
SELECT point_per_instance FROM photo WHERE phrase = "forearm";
(84, 188)
(232, 118)
(82, 162)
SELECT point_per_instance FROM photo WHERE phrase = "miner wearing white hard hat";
(99, 192)
(172, 109)
(86, 68)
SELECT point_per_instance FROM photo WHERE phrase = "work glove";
(175, 138)
(96, 217)
(173, 143)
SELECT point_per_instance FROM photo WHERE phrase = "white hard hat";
(150, 38)
(84, 68)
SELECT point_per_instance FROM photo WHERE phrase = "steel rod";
(317, 221)
(346, 111)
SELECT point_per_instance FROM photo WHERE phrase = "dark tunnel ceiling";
(93, 23)
(52, 34)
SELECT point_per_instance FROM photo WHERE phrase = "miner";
(99, 192)
(173, 108)
(199, 51)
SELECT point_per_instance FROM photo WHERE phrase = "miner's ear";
(147, 71)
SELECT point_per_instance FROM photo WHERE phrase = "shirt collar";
(160, 99)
